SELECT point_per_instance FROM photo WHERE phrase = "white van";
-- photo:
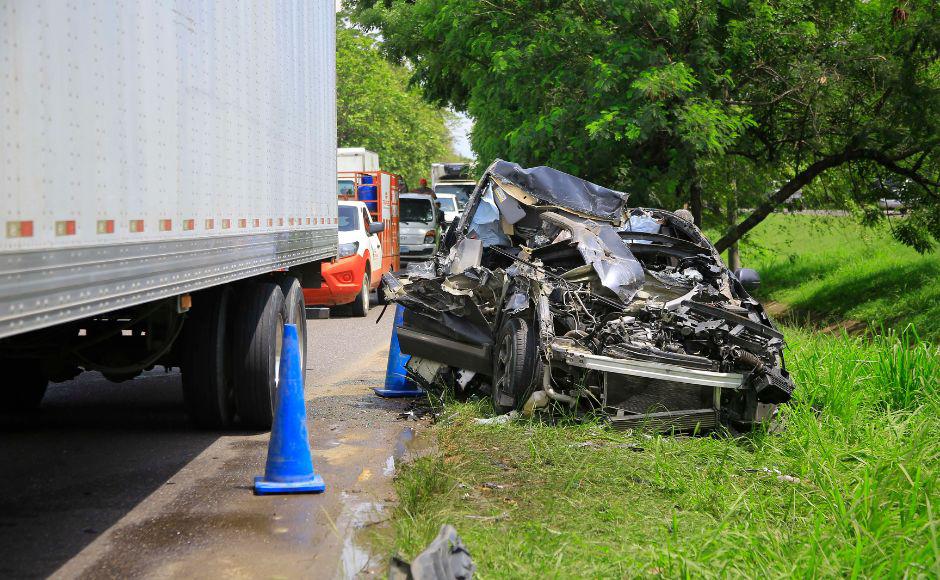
(419, 226)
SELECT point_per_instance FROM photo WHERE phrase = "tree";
(664, 97)
(377, 109)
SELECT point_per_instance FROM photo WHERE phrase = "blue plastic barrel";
(369, 193)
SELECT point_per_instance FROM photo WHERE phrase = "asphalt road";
(111, 480)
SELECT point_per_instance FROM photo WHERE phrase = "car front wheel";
(361, 305)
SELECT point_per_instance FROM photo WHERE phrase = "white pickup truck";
(169, 181)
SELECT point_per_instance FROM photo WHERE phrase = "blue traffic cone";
(289, 468)
(397, 383)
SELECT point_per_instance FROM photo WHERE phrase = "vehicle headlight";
(346, 250)
(430, 236)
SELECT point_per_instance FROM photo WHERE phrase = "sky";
(460, 133)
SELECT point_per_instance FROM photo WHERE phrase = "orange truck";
(368, 242)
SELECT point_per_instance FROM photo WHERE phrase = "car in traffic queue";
(420, 221)
(358, 266)
(450, 207)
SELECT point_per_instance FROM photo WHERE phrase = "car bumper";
(416, 252)
(342, 280)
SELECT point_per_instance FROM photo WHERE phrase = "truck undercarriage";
(548, 291)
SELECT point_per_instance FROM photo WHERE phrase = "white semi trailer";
(167, 182)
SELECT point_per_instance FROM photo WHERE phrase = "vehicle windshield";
(345, 187)
(448, 203)
(415, 210)
(461, 192)
(347, 218)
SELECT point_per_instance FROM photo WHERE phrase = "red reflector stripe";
(136, 226)
(166, 225)
(226, 224)
(242, 223)
(210, 224)
(189, 224)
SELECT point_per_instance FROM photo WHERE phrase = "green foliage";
(848, 488)
(377, 109)
(653, 96)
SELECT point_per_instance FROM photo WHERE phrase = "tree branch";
(804, 177)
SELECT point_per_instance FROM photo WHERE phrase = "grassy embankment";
(848, 488)
(830, 269)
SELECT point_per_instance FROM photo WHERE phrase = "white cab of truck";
(169, 179)
(454, 179)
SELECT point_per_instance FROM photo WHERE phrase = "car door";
(375, 246)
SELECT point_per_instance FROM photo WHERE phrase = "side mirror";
(748, 278)
(376, 227)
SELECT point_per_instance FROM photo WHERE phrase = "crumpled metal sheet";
(445, 558)
(559, 188)
(619, 271)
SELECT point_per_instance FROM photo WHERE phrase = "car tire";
(207, 385)
(258, 332)
(360, 307)
(26, 383)
(513, 365)
(295, 312)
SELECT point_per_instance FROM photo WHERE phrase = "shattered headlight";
(346, 250)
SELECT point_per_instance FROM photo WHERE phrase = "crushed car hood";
(561, 189)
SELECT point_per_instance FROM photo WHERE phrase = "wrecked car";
(548, 290)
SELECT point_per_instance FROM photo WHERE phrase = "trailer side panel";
(157, 148)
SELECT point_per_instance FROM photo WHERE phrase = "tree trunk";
(734, 256)
(695, 200)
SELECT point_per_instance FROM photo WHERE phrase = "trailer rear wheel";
(207, 386)
(295, 312)
(258, 331)
(25, 386)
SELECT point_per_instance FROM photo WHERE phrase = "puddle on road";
(357, 514)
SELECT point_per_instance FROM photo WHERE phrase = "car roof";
(440, 195)
(351, 203)
(415, 196)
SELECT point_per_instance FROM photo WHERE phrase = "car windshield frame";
(349, 222)
(413, 215)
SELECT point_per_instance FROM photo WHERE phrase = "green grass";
(848, 487)
(581, 500)
(830, 269)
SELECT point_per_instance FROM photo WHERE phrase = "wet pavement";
(111, 481)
